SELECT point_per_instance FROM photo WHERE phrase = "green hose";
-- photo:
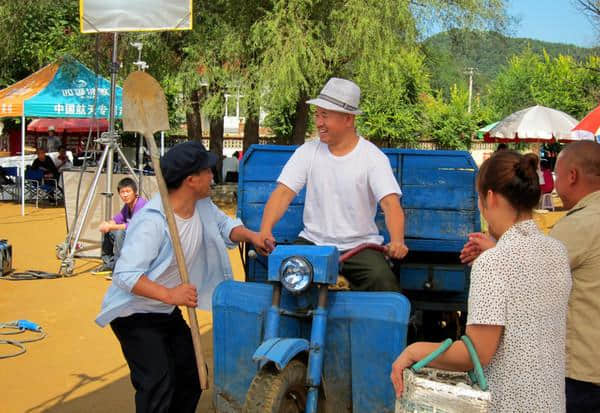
(476, 375)
(428, 359)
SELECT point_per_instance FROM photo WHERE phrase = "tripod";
(109, 140)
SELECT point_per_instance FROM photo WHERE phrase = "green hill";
(450, 53)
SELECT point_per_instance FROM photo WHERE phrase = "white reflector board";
(134, 15)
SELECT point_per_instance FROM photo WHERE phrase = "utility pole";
(470, 71)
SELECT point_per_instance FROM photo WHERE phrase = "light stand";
(141, 65)
(67, 250)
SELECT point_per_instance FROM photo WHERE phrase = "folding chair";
(51, 190)
(38, 187)
(33, 181)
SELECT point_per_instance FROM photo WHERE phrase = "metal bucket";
(428, 390)
(439, 391)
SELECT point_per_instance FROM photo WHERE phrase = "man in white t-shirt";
(345, 177)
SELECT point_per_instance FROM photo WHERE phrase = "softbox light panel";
(134, 15)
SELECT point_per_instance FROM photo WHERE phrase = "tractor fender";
(280, 351)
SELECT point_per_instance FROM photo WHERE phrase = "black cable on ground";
(30, 275)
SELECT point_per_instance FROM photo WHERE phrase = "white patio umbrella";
(536, 123)
(580, 135)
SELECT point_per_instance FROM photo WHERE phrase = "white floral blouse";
(523, 284)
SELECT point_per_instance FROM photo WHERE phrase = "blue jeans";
(112, 243)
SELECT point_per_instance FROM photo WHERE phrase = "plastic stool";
(547, 202)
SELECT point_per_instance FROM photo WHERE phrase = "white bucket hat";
(339, 95)
(51, 128)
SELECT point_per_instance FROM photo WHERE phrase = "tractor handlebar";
(344, 257)
(367, 246)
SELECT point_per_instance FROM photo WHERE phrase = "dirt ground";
(79, 367)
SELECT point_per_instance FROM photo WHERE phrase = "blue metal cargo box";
(439, 196)
(365, 332)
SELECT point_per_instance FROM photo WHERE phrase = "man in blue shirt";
(141, 303)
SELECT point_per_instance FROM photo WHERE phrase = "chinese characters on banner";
(81, 109)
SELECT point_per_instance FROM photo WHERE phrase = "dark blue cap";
(185, 159)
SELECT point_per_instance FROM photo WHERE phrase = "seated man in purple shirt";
(114, 230)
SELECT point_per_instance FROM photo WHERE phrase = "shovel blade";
(144, 105)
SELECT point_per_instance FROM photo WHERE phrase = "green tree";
(219, 58)
(275, 53)
(448, 122)
(559, 82)
(394, 116)
(34, 33)
(511, 90)
(300, 43)
(449, 53)
(281, 122)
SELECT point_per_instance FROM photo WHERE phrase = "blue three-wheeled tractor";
(288, 341)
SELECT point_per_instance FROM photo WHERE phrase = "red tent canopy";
(69, 125)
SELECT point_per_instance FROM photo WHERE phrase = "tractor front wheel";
(274, 391)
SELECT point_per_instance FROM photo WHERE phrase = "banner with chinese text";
(71, 94)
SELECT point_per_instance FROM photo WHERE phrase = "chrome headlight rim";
(304, 261)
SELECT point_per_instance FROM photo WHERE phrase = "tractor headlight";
(296, 274)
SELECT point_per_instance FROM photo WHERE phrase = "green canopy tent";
(481, 132)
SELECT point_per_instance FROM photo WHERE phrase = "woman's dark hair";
(127, 183)
(512, 175)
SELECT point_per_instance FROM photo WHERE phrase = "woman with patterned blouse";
(518, 298)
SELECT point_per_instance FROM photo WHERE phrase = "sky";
(557, 21)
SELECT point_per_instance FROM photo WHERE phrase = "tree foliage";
(449, 53)
(34, 33)
(449, 123)
(301, 43)
(276, 54)
(560, 82)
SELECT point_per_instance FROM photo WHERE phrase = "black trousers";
(582, 397)
(366, 271)
(160, 354)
